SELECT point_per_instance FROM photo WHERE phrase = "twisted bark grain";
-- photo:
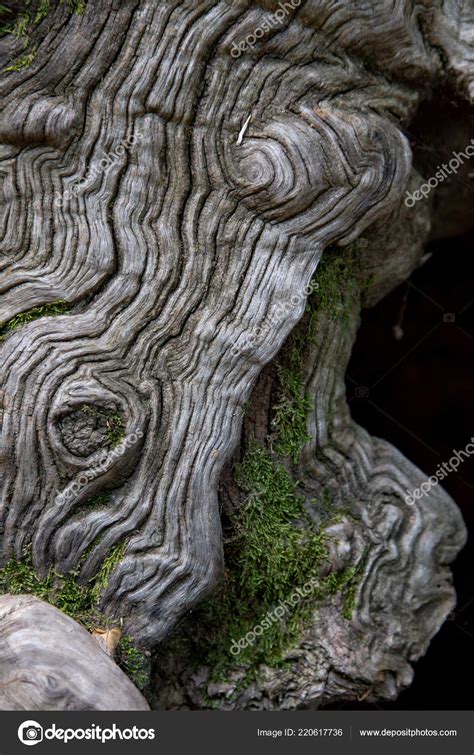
(176, 251)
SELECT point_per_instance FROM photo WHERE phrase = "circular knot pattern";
(266, 171)
(278, 171)
(88, 428)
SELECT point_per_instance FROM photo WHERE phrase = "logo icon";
(30, 733)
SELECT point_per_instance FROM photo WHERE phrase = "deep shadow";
(420, 397)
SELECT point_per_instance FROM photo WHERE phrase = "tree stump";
(172, 173)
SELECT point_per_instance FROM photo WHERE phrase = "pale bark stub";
(49, 662)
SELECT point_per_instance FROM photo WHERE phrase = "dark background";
(421, 399)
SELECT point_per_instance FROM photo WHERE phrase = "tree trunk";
(171, 178)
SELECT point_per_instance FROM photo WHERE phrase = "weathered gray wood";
(49, 662)
(405, 589)
(176, 252)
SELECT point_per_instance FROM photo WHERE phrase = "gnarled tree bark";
(211, 184)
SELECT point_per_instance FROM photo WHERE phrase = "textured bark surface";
(48, 662)
(170, 258)
(403, 592)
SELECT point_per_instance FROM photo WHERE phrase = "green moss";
(24, 62)
(101, 499)
(75, 600)
(94, 503)
(4, 11)
(20, 29)
(80, 601)
(338, 279)
(19, 577)
(115, 428)
(62, 591)
(77, 6)
(273, 552)
(43, 11)
(335, 285)
(291, 414)
(278, 554)
(108, 566)
(45, 310)
(134, 662)
(25, 23)
(90, 410)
